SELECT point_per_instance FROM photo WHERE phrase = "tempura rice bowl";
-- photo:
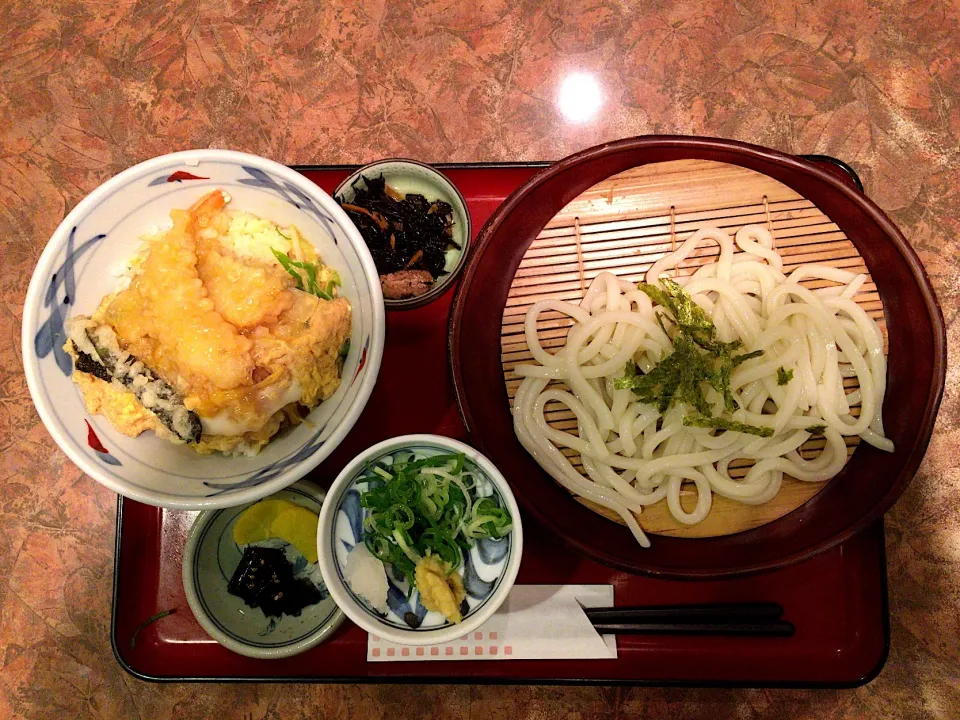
(85, 259)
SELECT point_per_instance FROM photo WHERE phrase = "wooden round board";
(625, 224)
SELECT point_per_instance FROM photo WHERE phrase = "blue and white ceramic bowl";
(82, 263)
(490, 568)
(209, 561)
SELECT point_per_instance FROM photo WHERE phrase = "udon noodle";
(633, 455)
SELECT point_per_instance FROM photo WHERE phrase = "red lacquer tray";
(837, 601)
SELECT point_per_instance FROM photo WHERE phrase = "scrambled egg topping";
(440, 591)
(120, 407)
(212, 312)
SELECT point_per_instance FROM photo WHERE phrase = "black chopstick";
(758, 619)
(717, 612)
(771, 628)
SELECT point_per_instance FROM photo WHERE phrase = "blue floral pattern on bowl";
(83, 262)
(51, 335)
(483, 568)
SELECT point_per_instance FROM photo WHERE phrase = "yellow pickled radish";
(254, 523)
(298, 526)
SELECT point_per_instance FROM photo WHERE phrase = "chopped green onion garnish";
(306, 274)
(425, 507)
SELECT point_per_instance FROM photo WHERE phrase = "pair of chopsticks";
(758, 619)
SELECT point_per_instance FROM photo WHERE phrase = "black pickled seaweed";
(264, 579)
(402, 233)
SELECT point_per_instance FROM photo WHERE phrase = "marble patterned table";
(88, 88)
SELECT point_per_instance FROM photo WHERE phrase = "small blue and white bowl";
(209, 561)
(489, 571)
(83, 262)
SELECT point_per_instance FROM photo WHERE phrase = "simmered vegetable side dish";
(408, 235)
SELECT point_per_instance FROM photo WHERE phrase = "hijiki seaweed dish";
(408, 235)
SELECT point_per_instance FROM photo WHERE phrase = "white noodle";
(632, 456)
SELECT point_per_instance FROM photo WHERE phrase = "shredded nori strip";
(408, 233)
(703, 421)
(699, 357)
(264, 579)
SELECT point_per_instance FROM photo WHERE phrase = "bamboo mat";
(625, 224)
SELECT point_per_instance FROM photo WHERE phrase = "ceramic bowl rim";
(446, 283)
(190, 590)
(332, 579)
